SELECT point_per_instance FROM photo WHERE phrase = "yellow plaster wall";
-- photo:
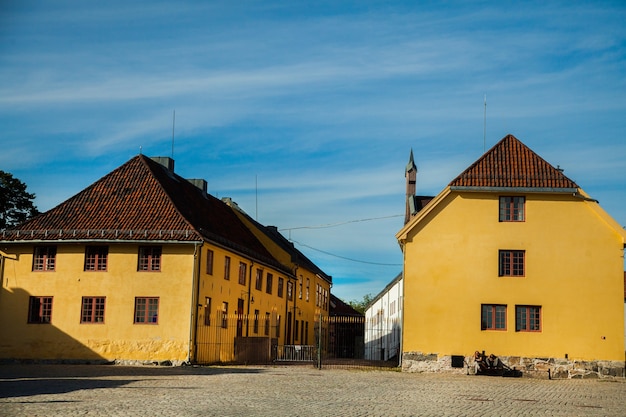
(118, 338)
(220, 290)
(574, 271)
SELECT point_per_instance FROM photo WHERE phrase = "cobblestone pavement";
(94, 390)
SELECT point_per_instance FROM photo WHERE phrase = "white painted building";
(383, 323)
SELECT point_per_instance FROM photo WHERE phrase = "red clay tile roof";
(510, 163)
(142, 200)
(129, 200)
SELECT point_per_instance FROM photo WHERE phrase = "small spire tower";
(410, 174)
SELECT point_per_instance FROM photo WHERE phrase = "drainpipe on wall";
(249, 297)
(195, 299)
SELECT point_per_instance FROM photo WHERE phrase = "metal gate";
(235, 338)
(337, 339)
(251, 339)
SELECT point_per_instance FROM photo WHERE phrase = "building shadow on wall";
(63, 363)
(23, 340)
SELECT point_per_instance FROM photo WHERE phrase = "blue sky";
(305, 114)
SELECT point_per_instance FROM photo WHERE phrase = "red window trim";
(46, 253)
(146, 313)
(96, 252)
(93, 301)
(526, 328)
(509, 209)
(510, 254)
(494, 310)
(44, 309)
(152, 256)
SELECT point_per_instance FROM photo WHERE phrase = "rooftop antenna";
(256, 198)
(173, 127)
(485, 124)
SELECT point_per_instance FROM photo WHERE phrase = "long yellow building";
(311, 291)
(146, 266)
(514, 258)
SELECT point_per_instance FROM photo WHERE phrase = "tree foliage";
(360, 306)
(16, 204)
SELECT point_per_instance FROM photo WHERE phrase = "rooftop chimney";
(166, 161)
(200, 183)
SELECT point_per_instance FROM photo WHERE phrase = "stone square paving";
(101, 390)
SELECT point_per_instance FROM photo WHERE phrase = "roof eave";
(550, 190)
(75, 241)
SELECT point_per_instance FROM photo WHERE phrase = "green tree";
(360, 306)
(16, 204)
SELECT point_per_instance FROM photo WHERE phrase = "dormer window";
(512, 209)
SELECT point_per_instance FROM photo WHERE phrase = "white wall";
(383, 321)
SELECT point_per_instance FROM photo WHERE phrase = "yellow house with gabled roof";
(142, 266)
(513, 258)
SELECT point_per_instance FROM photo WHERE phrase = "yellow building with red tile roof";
(512, 258)
(144, 266)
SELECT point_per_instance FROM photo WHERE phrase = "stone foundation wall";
(544, 368)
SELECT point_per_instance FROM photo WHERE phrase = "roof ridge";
(512, 164)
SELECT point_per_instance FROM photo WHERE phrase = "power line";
(325, 226)
(343, 257)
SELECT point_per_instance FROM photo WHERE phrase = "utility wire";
(324, 226)
(343, 257)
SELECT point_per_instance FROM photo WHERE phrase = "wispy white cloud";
(320, 104)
